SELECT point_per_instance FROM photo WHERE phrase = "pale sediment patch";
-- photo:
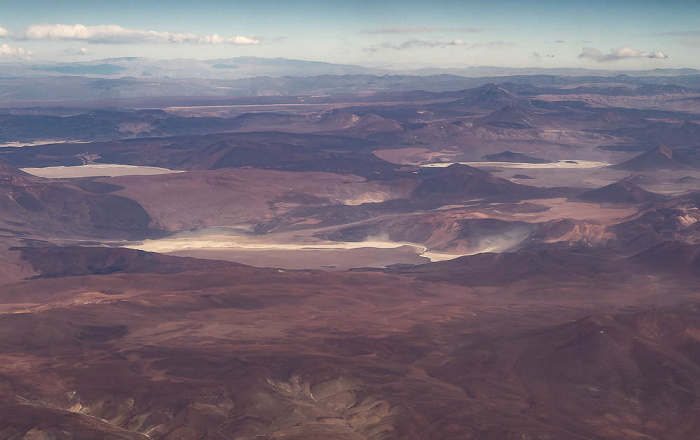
(561, 208)
(370, 197)
(439, 256)
(415, 155)
(305, 254)
(323, 259)
(95, 170)
(165, 245)
(560, 164)
(39, 143)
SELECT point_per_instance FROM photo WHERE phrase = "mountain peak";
(666, 151)
(623, 191)
(512, 115)
(661, 158)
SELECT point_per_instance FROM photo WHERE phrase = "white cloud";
(4, 32)
(622, 53)
(411, 44)
(419, 29)
(113, 34)
(423, 43)
(538, 56)
(498, 43)
(415, 43)
(403, 30)
(217, 39)
(687, 33)
(76, 51)
(15, 52)
(472, 29)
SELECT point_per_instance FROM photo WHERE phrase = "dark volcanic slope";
(672, 257)
(487, 97)
(649, 358)
(8, 173)
(100, 125)
(509, 156)
(542, 267)
(30, 422)
(491, 95)
(216, 353)
(462, 182)
(623, 191)
(513, 115)
(47, 207)
(661, 158)
(585, 327)
(65, 261)
(676, 219)
(269, 150)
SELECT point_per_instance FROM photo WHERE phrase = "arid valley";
(353, 257)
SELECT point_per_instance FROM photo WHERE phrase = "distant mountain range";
(250, 67)
(149, 83)
(228, 68)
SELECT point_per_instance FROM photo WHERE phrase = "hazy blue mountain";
(249, 67)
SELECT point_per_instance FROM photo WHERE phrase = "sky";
(612, 34)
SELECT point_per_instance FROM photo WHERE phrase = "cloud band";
(622, 53)
(113, 34)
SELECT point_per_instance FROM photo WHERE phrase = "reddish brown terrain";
(483, 261)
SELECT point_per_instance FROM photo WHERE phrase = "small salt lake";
(95, 170)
